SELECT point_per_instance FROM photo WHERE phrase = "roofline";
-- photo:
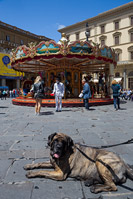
(112, 11)
(19, 30)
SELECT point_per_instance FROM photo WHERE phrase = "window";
(116, 40)
(102, 29)
(21, 42)
(77, 36)
(117, 74)
(7, 38)
(130, 50)
(118, 53)
(131, 55)
(131, 37)
(130, 83)
(118, 56)
(67, 37)
(131, 20)
(130, 31)
(116, 25)
(102, 42)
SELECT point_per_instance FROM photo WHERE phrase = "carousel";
(71, 61)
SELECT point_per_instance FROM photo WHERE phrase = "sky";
(45, 17)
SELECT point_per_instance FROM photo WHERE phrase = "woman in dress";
(38, 89)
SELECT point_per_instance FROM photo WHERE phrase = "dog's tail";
(129, 172)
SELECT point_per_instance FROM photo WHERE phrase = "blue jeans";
(116, 102)
(86, 104)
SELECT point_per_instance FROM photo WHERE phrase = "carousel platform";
(22, 101)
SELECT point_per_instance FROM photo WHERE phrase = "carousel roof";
(49, 55)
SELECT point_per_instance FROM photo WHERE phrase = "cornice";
(113, 11)
(21, 31)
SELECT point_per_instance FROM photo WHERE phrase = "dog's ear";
(50, 138)
(70, 142)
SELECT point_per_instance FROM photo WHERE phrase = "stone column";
(79, 83)
(72, 82)
(124, 76)
(111, 77)
(18, 83)
(3, 82)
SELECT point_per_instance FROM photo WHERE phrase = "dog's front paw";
(94, 189)
(29, 174)
(27, 167)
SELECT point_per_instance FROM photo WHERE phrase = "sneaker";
(56, 111)
(60, 110)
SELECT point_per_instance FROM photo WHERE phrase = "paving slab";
(16, 191)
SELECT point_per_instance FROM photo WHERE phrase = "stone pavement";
(23, 139)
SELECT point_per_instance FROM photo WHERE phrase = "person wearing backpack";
(116, 93)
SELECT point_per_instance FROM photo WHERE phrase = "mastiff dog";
(102, 170)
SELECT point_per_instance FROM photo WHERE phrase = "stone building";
(113, 28)
(11, 37)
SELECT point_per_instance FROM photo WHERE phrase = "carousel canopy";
(49, 55)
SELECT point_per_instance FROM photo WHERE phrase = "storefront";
(8, 76)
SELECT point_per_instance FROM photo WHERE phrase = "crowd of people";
(119, 93)
(9, 93)
(3, 94)
(38, 89)
(127, 94)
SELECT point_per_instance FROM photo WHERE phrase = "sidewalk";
(23, 139)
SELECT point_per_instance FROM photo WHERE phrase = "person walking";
(59, 93)
(4, 94)
(38, 89)
(116, 93)
(86, 92)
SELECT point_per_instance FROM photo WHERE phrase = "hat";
(114, 82)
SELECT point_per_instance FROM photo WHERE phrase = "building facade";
(11, 37)
(113, 28)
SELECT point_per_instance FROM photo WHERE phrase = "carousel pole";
(79, 85)
(72, 82)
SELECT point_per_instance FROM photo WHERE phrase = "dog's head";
(59, 144)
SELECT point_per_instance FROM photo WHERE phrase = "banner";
(5, 68)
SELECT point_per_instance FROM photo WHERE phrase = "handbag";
(81, 95)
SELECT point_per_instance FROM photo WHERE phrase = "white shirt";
(59, 89)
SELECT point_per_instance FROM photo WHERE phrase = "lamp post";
(87, 33)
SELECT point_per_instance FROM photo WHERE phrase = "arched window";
(130, 50)
(118, 52)
(130, 74)
(116, 36)
(117, 74)
(130, 80)
(103, 40)
(131, 34)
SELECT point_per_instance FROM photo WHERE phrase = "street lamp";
(87, 33)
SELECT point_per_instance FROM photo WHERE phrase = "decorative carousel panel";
(20, 53)
(47, 48)
(78, 48)
(107, 52)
